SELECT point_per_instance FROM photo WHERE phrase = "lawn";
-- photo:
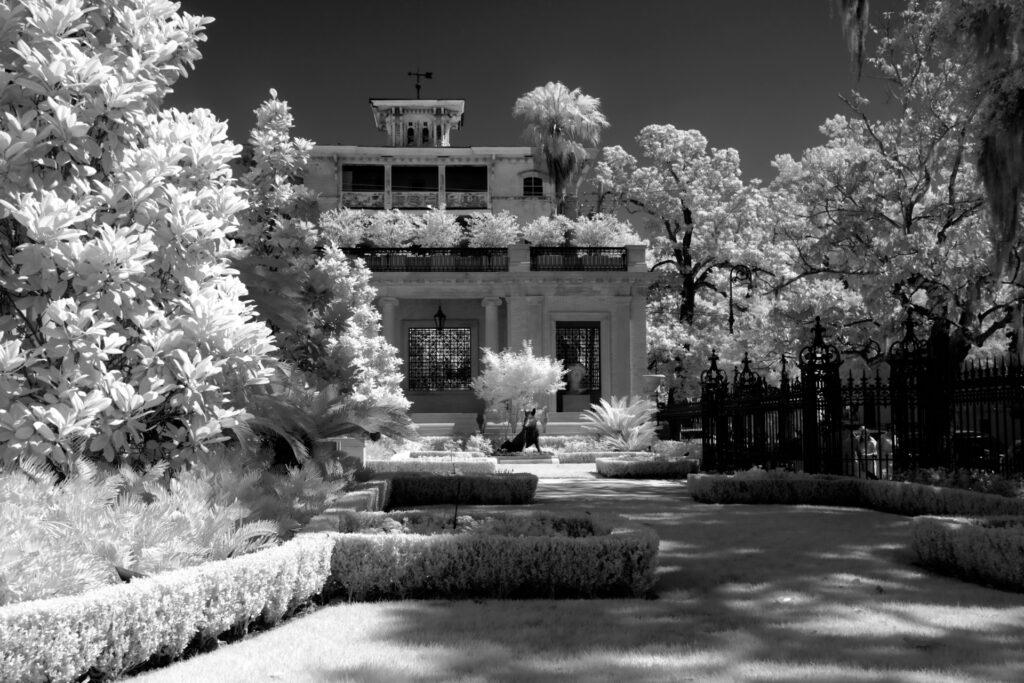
(744, 593)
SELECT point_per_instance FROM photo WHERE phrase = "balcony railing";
(465, 200)
(413, 200)
(362, 200)
(438, 260)
(578, 258)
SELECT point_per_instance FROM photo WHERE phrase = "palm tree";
(562, 123)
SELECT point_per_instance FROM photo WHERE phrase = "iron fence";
(578, 258)
(919, 414)
(430, 259)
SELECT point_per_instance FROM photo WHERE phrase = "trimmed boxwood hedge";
(115, 628)
(592, 456)
(901, 498)
(457, 455)
(646, 467)
(387, 565)
(988, 551)
(411, 490)
(111, 630)
(438, 465)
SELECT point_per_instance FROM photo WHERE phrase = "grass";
(745, 593)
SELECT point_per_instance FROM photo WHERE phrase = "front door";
(578, 346)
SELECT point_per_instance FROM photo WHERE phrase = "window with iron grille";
(440, 360)
(578, 346)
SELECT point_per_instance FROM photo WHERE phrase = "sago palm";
(563, 123)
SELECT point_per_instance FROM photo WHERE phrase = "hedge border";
(435, 466)
(464, 455)
(463, 489)
(650, 467)
(377, 566)
(115, 628)
(971, 549)
(111, 630)
(592, 456)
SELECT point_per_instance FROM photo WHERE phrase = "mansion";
(584, 306)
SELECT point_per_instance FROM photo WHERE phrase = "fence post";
(822, 404)
(714, 430)
(908, 367)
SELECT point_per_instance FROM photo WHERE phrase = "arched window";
(426, 135)
(410, 136)
(533, 187)
(437, 137)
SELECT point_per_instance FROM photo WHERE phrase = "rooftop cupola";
(418, 123)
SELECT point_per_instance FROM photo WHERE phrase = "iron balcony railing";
(436, 259)
(578, 258)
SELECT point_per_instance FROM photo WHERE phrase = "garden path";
(744, 592)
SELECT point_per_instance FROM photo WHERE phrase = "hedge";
(449, 455)
(384, 565)
(901, 498)
(988, 551)
(109, 631)
(647, 467)
(443, 465)
(115, 628)
(592, 456)
(465, 489)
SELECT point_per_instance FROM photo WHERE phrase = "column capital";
(489, 301)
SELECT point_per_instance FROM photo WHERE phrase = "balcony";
(491, 260)
(434, 260)
(578, 258)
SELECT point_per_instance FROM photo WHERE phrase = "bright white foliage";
(515, 381)
(123, 329)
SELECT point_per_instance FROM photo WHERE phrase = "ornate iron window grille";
(580, 343)
(440, 360)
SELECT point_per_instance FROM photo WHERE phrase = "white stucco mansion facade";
(586, 307)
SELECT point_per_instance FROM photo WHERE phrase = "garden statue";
(528, 436)
(574, 378)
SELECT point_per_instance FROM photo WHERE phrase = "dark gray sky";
(757, 75)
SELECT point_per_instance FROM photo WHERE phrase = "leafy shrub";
(344, 227)
(460, 455)
(512, 382)
(389, 229)
(603, 230)
(547, 231)
(463, 489)
(379, 565)
(968, 479)
(570, 444)
(480, 443)
(988, 551)
(677, 449)
(493, 229)
(625, 424)
(436, 228)
(108, 631)
(646, 467)
(132, 340)
(62, 539)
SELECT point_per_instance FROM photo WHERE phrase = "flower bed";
(988, 551)
(444, 465)
(584, 559)
(115, 628)
(592, 456)
(646, 467)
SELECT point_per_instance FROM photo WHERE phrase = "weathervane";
(417, 74)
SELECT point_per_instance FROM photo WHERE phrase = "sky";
(757, 75)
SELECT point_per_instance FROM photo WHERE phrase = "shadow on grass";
(744, 592)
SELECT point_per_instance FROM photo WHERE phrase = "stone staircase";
(449, 424)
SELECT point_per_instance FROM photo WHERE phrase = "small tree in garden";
(351, 381)
(123, 332)
(514, 382)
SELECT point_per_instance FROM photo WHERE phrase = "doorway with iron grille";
(578, 346)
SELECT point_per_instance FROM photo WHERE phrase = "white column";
(490, 305)
(389, 320)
